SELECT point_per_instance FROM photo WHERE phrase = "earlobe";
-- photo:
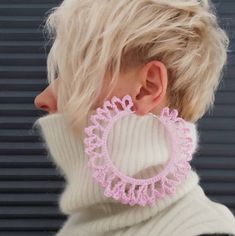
(153, 87)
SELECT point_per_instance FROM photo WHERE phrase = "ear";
(151, 88)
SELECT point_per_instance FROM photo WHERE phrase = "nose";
(46, 100)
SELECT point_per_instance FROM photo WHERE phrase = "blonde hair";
(93, 37)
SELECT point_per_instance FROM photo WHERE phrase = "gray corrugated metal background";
(29, 183)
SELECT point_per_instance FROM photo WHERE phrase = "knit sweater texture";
(136, 144)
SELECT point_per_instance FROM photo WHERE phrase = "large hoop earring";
(126, 189)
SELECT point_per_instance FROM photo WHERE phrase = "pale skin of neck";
(147, 85)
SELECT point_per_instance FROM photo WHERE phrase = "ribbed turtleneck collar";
(135, 143)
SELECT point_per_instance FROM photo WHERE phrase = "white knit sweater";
(134, 144)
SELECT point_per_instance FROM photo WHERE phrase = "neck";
(136, 144)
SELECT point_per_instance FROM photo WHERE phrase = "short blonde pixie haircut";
(92, 37)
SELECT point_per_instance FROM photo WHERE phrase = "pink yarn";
(124, 188)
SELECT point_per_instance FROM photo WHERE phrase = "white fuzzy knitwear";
(134, 144)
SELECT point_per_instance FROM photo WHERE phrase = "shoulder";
(209, 217)
(195, 214)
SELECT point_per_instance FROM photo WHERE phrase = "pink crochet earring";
(124, 188)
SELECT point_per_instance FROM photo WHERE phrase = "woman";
(156, 54)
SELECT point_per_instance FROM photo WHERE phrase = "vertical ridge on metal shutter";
(29, 182)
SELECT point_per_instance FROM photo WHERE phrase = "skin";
(147, 85)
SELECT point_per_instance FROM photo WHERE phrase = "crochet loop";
(126, 189)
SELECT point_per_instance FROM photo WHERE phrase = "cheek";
(120, 90)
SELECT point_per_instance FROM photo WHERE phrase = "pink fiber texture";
(126, 189)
